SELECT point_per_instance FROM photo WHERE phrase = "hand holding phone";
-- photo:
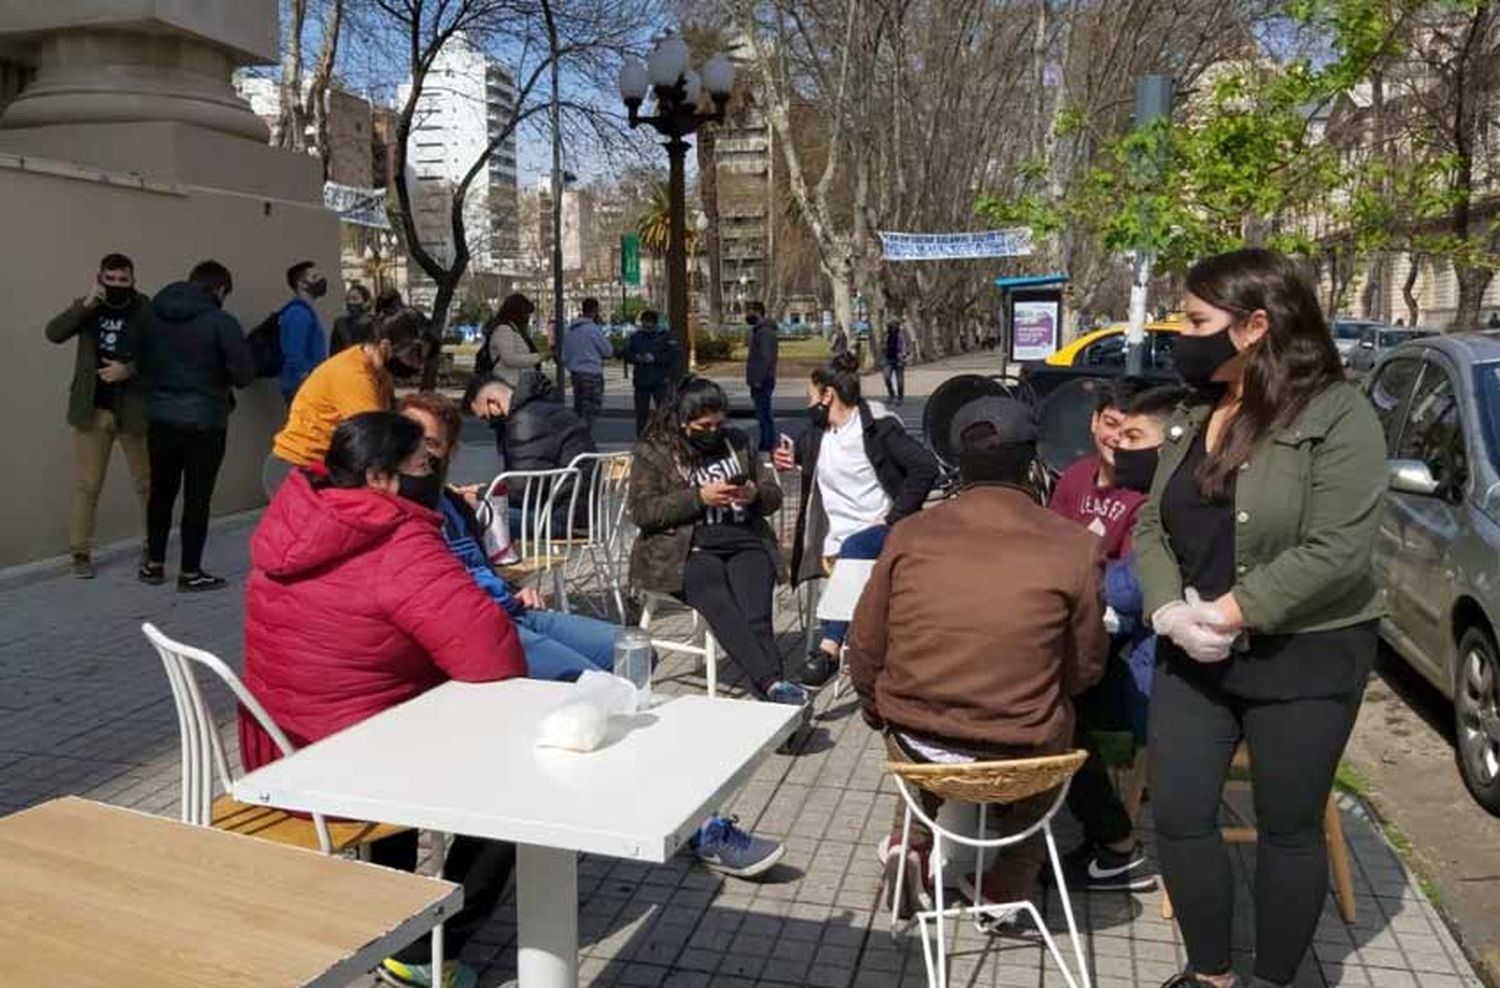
(784, 457)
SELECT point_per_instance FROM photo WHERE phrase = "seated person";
(558, 646)
(1111, 856)
(355, 605)
(1087, 491)
(989, 569)
(535, 431)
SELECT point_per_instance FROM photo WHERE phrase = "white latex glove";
(1194, 626)
(1111, 621)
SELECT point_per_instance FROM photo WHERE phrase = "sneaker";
(818, 669)
(916, 883)
(1102, 870)
(456, 974)
(199, 582)
(83, 566)
(153, 573)
(1187, 979)
(783, 691)
(723, 847)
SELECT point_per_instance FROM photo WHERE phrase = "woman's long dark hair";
(378, 441)
(1289, 366)
(515, 311)
(841, 373)
(696, 397)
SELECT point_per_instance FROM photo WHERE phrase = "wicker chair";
(986, 783)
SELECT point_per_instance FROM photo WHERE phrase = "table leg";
(547, 916)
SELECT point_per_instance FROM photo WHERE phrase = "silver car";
(1373, 343)
(1438, 551)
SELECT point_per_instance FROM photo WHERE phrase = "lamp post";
(679, 92)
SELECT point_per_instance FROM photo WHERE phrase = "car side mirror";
(1411, 477)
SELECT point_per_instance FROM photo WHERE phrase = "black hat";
(1011, 420)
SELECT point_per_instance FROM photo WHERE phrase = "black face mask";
(706, 442)
(400, 367)
(1134, 468)
(425, 489)
(752, 320)
(1198, 358)
(356, 309)
(317, 288)
(818, 416)
(117, 296)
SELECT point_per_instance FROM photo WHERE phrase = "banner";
(1035, 329)
(630, 258)
(361, 207)
(1015, 242)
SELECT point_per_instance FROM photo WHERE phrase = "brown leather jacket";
(982, 617)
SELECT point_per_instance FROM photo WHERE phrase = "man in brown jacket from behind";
(983, 617)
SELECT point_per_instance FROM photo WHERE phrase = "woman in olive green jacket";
(1254, 560)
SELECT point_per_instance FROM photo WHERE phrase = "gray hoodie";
(585, 347)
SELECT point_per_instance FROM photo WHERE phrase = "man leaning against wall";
(108, 397)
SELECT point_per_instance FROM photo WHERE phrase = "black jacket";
(197, 352)
(905, 468)
(134, 392)
(760, 365)
(541, 434)
(662, 369)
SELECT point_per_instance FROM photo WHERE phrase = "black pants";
(1295, 747)
(733, 593)
(588, 397)
(1092, 798)
(481, 866)
(762, 396)
(647, 399)
(184, 458)
(895, 381)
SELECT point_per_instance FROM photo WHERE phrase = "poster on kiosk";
(1035, 324)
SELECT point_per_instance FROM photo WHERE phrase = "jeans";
(564, 646)
(895, 381)
(1295, 747)
(647, 399)
(481, 866)
(185, 458)
(761, 395)
(864, 545)
(588, 397)
(733, 593)
(91, 452)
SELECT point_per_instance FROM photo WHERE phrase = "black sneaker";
(1187, 979)
(83, 566)
(153, 573)
(817, 670)
(1102, 870)
(199, 582)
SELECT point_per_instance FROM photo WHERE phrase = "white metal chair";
(541, 544)
(708, 651)
(203, 756)
(606, 480)
(986, 783)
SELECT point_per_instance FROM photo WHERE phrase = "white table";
(462, 759)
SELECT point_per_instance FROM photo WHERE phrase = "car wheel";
(1476, 709)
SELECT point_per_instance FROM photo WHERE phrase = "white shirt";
(851, 493)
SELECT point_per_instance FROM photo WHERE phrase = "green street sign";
(630, 258)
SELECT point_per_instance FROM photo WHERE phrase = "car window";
(1106, 352)
(1389, 391)
(1161, 350)
(1434, 431)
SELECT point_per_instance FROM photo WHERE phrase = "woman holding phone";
(699, 495)
(861, 473)
(1253, 553)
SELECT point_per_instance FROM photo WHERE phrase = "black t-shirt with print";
(727, 527)
(109, 329)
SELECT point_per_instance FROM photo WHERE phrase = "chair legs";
(708, 652)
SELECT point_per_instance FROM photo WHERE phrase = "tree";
(304, 105)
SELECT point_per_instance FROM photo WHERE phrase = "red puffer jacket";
(355, 605)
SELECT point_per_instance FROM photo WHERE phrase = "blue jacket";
(585, 348)
(460, 531)
(303, 344)
(655, 355)
(1135, 641)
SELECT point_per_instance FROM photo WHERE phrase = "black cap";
(1012, 420)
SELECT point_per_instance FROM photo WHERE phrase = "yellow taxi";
(1105, 347)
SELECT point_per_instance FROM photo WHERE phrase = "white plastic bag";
(494, 518)
(581, 723)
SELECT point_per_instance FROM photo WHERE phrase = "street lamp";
(679, 91)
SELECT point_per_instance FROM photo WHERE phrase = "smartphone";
(739, 479)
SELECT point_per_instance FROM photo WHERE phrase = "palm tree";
(655, 224)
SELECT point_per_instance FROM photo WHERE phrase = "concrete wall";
(60, 220)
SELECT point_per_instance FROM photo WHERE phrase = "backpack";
(265, 346)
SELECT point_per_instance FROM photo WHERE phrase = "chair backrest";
(605, 478)
(202, 749)
(545, 496)
(1007, 781)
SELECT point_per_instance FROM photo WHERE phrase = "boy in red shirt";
(1086, 491)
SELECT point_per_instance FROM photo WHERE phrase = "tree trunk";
(1473, 281)
(1408, 291)
(290, 121)
(447, 289)
(708, 195)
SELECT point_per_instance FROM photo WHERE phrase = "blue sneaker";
(455, 974)
(725, 848)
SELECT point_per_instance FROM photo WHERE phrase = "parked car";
(1374, 341)
(1346, 333)
(1106, 347)
(1437, 554)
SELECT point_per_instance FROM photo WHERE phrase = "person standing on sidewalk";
(896, 352)
(353, 327)
(508, 350)
(107, 399)
(196, 353)
(760, 371)
(1254, 560)
(303, 344)
(585, 349)
(657, 360)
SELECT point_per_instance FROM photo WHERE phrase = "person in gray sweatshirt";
(585, 348)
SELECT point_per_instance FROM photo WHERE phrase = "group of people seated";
(1202, 579)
